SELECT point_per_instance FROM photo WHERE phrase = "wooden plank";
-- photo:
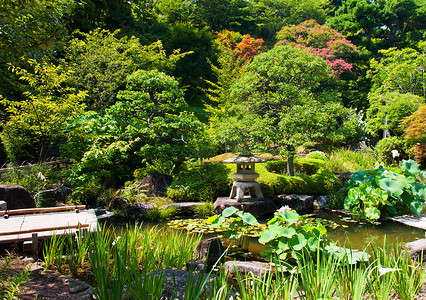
(42, 210)
(35, 230)
(49, 163)
(20, 227)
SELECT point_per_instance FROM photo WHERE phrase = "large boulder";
(117, 203)
(255, 207)
(209, 250)
(257, 268)
(180, 278)
(417, 249)
(57, 194)
(155, 184)
(138, 210)
(294, 201)
(16, 196)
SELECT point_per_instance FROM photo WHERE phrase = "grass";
(10, 285)
(128, 258)
(346, 160)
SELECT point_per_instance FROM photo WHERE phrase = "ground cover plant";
(320, 269)
(388, 191)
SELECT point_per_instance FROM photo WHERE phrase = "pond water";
(356, 235)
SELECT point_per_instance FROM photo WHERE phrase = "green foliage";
(399, 70)
(308, 166)
(388, 109)
(386, 147)
(10, 285)
(238, 226)
(100, 61)
(317, 155)
(347, 160)
(199, 182)
(40, 118)
(390, 191)
(288, 235)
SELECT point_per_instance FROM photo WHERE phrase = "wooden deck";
(19, 228)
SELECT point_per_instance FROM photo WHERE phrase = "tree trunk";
(290, 165)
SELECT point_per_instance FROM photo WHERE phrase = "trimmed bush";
(317, 155)
(200, 182)
(301, 165)
(385, 146)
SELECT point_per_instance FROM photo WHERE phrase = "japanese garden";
(207, 149)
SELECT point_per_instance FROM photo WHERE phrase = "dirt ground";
(42, 284)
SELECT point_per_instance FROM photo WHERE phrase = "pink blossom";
(222, 206)
(284, 208)
(147, 4)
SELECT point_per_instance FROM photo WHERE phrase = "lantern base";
(242, 188)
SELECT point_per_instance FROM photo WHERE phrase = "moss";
(200, 182)
(206, 182)
(321, 182)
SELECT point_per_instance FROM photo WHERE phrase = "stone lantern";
(245, 187)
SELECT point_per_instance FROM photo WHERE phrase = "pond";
(354, 234)
(358, 235)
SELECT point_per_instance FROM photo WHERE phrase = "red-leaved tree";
(321, 40)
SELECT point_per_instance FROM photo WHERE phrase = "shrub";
(200, 182)
(301, 165)
(385, 147)
(391, 191)
(318, 183)
(347, 160)
(317, 155)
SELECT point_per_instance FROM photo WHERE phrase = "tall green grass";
(346, 160)
(123, 262)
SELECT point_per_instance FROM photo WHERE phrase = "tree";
(272, 15)
(388, 109)
(374, 25)
(399, 70)
(100, 62)
(42, 115)
(29, 30)
(321, 40)
(415, 133)
(193, 69)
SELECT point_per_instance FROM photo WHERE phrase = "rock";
(138, 209)
(321, 201)
(209, 250)
(296, 202)
(57, 194)
(181, 278)
(256, 208)
(100, 211)
(64, 278)
(77, 286)
(195, 265)
(244, 267)
(3, 205)
(118, 203)
(184, 209)
(16, 196)
(417, 249)
(155, 184)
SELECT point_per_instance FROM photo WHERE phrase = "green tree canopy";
(388, 109)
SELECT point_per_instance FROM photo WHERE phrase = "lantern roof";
(244, 158)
